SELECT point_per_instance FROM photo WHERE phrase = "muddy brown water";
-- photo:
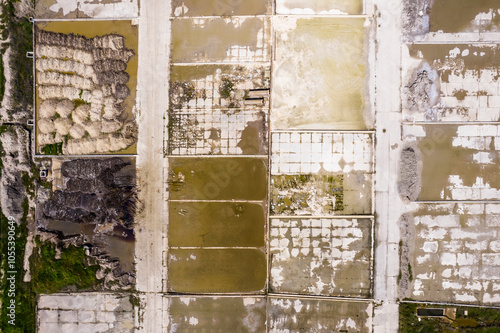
(120, 244)
(441, 159)
(352, 7)
(456, 15)
(229, 178)
(216, 224)
(216, 270)
(212, 41)
(221, 7)
(101, 28)
(479, 57)
(330, 89)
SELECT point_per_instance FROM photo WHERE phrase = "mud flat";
(295, 315)
(220, 8)
(320, 72)
(86, 87)
(221, 40)
(453, 253)
(339, 7)
(451, 82)
(58, 9)
(224, 314)
(328, 257)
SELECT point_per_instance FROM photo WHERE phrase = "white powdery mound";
(68, 66)
(81, 114)
(110, 126)
(77, 131)
(58, 79)
(64, 108)
(47, 108)
(45, 125)
(51, 51)
(94, 128)
(63, 125)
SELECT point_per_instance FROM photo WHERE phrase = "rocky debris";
(409, 176)
(100, 194)
(88, 71)
(15, 160)
(407, 229)
(415, 18)
(423, 93)
(110, 65)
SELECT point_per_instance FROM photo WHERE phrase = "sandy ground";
(152, 101)
(387, 203)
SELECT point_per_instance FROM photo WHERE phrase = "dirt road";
(152, 102)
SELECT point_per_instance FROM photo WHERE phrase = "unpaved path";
(387, 202)
(152, 101)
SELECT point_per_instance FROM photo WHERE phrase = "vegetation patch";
(72, 270)
(291, 194)
(52, 149)
(467, 319)
(19, 32)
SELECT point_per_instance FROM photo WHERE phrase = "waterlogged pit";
(347, 7)
(218, 178)
(460, 162)
(320, 74)
(223, 8)
(216, 270)
(465, 15)
(220, 40)
(216, 224)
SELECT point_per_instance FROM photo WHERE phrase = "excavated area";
(95, 207)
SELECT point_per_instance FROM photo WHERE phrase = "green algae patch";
(216, 224)
(216, 270)
(218, 178)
